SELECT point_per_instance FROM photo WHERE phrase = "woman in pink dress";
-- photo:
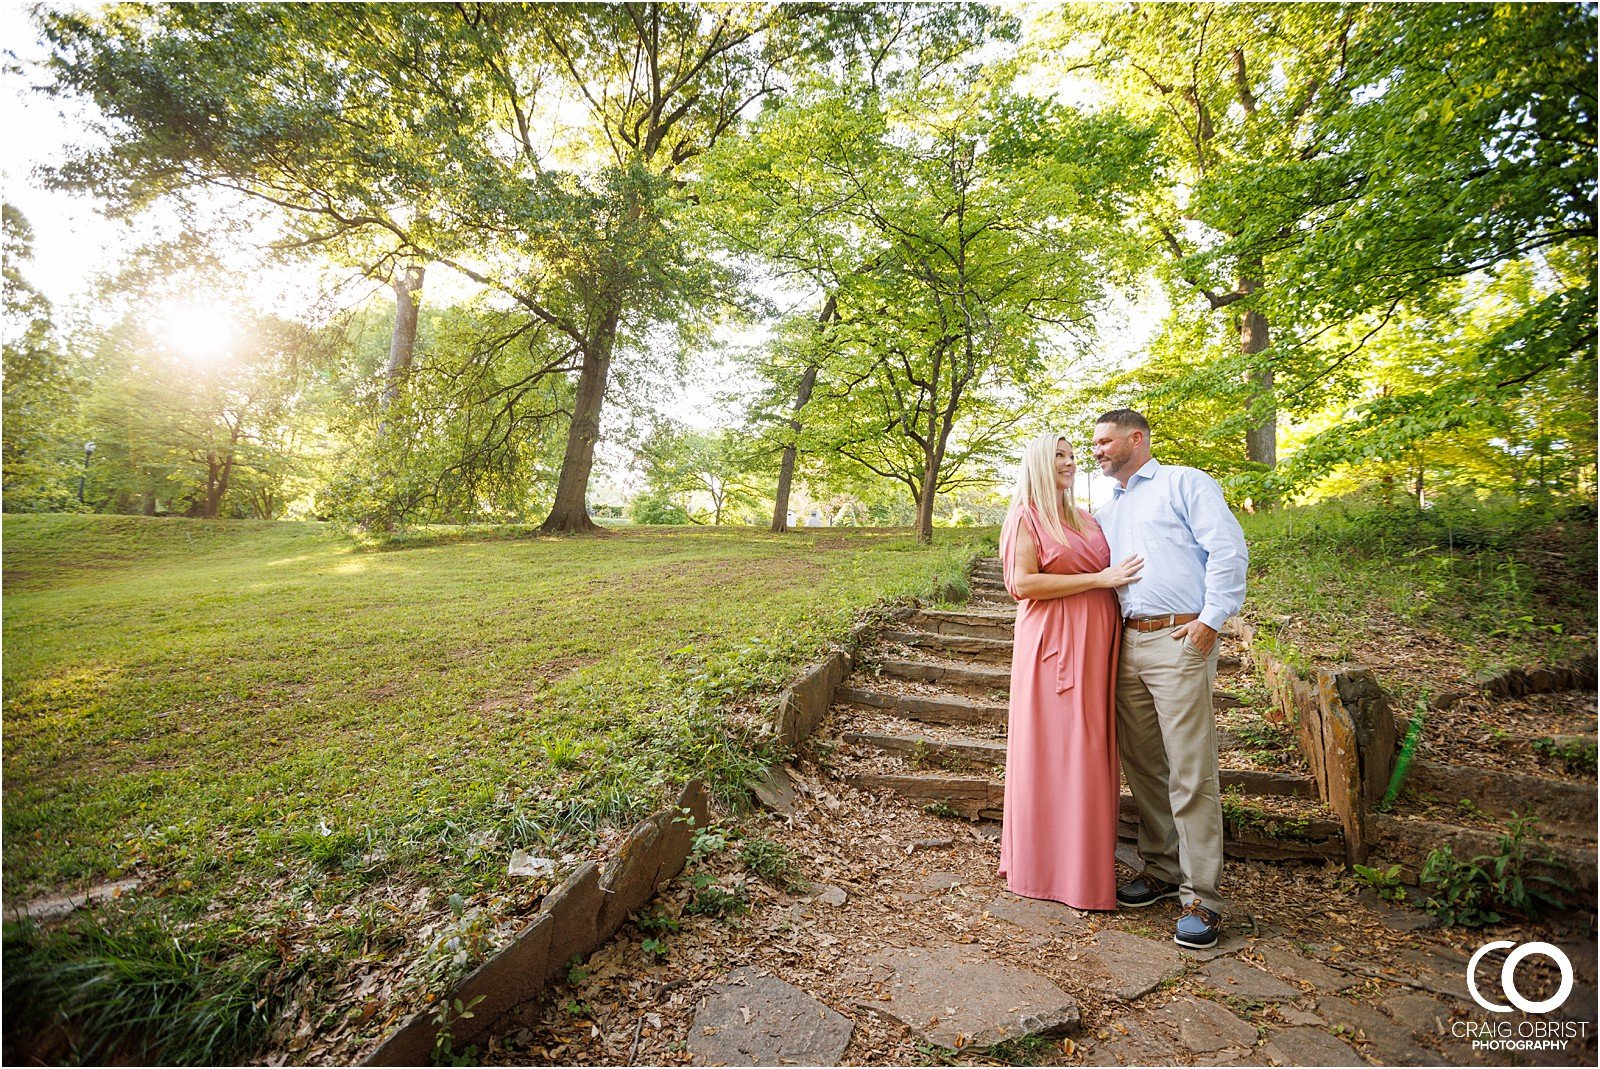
(1059, 836)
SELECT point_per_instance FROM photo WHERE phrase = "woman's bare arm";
(1029, 582)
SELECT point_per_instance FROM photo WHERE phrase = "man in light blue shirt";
(1193, 580)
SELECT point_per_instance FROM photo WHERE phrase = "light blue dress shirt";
(1193, 547)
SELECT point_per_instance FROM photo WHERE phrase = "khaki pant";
(1167, 736)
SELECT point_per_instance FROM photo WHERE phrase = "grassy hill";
(303, 746)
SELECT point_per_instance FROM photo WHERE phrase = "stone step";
(1562, 806)
(972, 624)
(1274, 784)
(963, 749)
(1408, 842)
(942, 709)
(989, 650)
(967, 675)
(973, 797)
(919, 747)
(1268, 836)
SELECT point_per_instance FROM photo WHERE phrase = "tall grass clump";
(125, 989)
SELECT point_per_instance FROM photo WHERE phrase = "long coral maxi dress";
(1059, 835)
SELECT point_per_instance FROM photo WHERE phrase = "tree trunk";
(780, 507)
(570, 511)
(218, 475)
(808, 382)
(407, 285)
(925, 508)
(1261, 440)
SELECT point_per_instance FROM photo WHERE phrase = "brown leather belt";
(1156, 623)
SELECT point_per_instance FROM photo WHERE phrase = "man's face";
(1114, 449)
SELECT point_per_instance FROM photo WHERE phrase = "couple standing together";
(1094, 673)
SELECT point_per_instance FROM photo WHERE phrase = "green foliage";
(1403, 332)
(716, 901)
(450, 1012)
(773, 862)
(1575, 755)
(1516, 877)
(657, 509)
(702, 476)
(656, 926)
(43, 445)
(1383, 882)
(1243, 814)
(1462, 567)
(126, 989)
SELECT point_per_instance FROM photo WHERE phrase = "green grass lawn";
(1430, 598)
(275, 727)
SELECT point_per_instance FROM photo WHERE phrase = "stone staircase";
(923, 716)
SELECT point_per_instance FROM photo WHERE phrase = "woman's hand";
(1122, 574)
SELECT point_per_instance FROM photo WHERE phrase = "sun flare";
(203, 334)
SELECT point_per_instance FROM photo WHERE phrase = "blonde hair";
(1036, 486)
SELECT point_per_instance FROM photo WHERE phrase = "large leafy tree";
(42, 388)
(228, 436)
(543, 151)
(1336, 164)
(960, 227)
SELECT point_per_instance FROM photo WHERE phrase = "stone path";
(904, 948)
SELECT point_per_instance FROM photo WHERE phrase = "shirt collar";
(1146, 471)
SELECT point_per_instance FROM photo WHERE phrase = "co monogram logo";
(1508, 977)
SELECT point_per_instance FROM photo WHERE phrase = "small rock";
(525, 864)
(1286, 962)
(1036, 915)
(959, 998)
(942, 881)
(775, 790)
(1420, 1013)
(1130, 965)
(1238, 980)
(1397, 917)
(831, 896)
(1384, 1041)
(1126, 1042)
(930, 844)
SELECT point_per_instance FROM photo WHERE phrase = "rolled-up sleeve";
(1218, 533)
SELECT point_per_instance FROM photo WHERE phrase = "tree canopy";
(1373, 226)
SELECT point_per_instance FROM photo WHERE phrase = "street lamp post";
(88, 451)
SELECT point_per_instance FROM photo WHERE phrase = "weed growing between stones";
(1385, 883)
(1471, 893)
(1244, 814)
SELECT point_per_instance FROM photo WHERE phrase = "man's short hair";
(1127, 419)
